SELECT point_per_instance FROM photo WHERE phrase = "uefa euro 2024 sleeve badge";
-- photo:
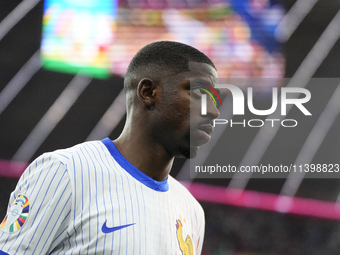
(16, 215)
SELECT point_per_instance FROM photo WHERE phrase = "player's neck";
(149, 158)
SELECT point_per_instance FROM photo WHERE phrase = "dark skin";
(164, 121)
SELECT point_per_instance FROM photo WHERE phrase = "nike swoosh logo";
(107, 230)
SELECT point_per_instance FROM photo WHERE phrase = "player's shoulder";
(175, 184)
(183, 191)
(77, 152)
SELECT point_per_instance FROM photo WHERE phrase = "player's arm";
(39, 209)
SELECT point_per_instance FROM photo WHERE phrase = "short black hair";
(165, 55)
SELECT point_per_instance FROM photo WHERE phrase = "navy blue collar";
(132, 170)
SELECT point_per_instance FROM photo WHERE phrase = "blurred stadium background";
(62, 67)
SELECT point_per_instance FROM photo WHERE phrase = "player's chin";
(199, 138)
(190, 149)
(193, 151)
(194, 147)
(187, 152)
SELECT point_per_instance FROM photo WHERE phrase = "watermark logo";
(205, 88)
(289, 96)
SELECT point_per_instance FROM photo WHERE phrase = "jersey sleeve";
(39, 209)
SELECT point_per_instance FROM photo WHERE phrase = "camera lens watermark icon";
(204, 91)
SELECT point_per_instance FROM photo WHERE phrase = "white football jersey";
(89, 199)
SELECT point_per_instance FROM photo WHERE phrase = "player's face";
(183, 128)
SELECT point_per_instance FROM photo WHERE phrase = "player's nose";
(212, 110)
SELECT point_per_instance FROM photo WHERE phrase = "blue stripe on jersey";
(60, 250)
(133, 171)
(145, 217)
(63, 221)
(43, 215)
(89, 197)
(96, 200)
(140, 236)
(82, 203)
(48, 238)
(102, 181)
(75, 202)
(112, 211)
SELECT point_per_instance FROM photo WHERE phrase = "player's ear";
(147, 92)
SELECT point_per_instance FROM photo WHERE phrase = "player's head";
(157, 86)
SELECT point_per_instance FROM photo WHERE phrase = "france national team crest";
(16, 215)
(184, 244)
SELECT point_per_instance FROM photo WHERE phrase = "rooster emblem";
(185, 246)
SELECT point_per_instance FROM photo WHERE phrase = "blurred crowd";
(241, 231)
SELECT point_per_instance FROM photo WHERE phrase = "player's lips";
(204, 133)
(207, 128)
